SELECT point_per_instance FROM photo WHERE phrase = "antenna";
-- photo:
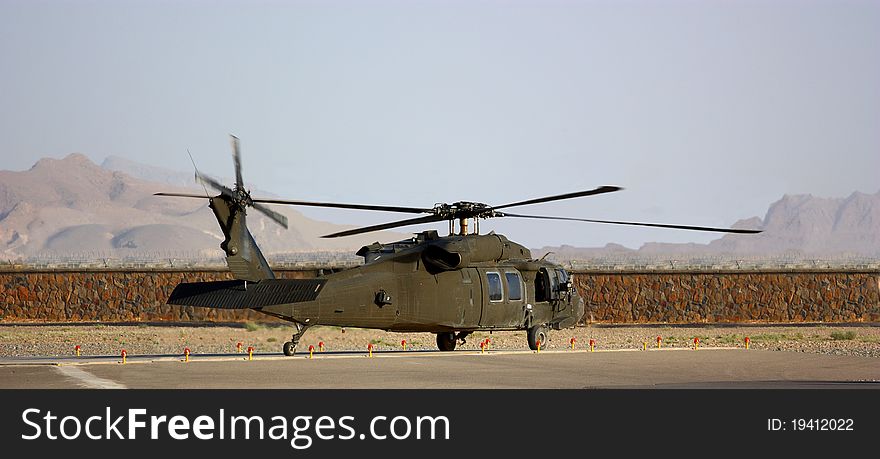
(197, 172)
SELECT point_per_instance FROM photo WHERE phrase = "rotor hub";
(243, 197)
(463, 210)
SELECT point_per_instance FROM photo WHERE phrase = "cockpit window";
(514, 286)
(563, 276)
(554, 281)
(564, 280)
(496, 292)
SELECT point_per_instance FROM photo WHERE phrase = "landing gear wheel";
(289, 348)
(446, 341)
(538, 333)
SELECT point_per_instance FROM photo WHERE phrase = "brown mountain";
(796, 226)
(813, 226)
(72, 206)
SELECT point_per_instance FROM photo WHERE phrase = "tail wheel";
(538, 333)
(289, 348)
(446, 341)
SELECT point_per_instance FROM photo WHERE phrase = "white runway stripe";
(85, 379)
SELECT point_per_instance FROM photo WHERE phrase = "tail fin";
(243, 257)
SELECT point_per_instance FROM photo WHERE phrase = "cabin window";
(496, 292)
(514, 286)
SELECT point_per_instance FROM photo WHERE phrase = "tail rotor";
(239, 195)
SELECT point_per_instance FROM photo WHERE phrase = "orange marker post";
(238, 347)
(186, 355)
(124, 354)
(696, 342)
(659, 340)
(311, 350)
(370, 350)
(321, 346)
(645, 346)
(250, 352)
(572, 341)
(403, 344)
(748, 341)
(76, 350)
(592, 345)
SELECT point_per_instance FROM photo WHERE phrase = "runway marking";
(146, 359)
(86, 379)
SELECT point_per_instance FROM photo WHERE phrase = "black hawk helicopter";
(449, 285)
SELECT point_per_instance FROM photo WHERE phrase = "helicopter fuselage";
(442, 284)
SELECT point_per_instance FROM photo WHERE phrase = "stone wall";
(612, 297)
(112, 296)
(697, 297)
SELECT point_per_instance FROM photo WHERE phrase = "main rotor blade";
(577, 194)
(275, 216)
(384, 226)
(215, 184)
(655, 225)
(236, 159)
(410, 210)
(181, 195)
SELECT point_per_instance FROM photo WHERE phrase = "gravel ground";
(25, 340)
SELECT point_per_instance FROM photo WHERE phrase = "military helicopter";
(448, 285)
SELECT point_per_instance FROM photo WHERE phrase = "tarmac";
(710, 368)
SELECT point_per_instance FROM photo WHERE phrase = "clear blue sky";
(705, 112)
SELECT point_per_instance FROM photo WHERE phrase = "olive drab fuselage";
(442, 284)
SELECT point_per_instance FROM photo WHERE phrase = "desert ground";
(26, 340)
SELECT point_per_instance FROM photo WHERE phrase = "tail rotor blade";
(275, 216)
(204, 179)
(236, 159)
(180, 195)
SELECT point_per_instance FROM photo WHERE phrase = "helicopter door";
(471, 298)
(502, 298)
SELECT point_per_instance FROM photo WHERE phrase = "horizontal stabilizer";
(240, 294)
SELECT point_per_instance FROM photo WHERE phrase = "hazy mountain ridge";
(72, 205)
(796, 225)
